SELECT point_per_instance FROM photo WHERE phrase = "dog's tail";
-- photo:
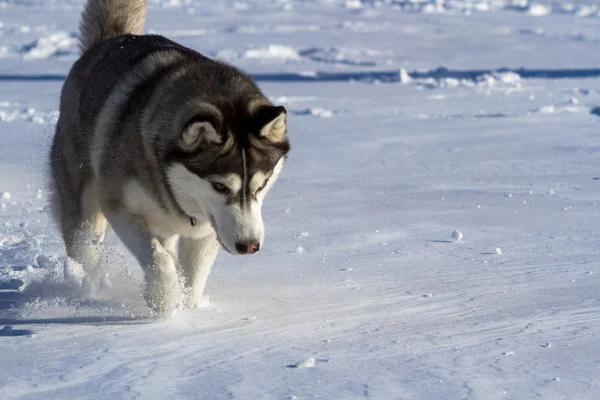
(107, 18)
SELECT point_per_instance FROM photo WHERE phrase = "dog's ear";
(197, 132)
(271, 123)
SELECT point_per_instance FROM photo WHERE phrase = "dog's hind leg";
(84, 229)
(75, 206)
(197, 256)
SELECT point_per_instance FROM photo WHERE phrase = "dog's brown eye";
(219, 187)
(262, 186)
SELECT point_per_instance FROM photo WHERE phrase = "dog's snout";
(247, 248)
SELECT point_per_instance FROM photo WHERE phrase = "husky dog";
(168, 147)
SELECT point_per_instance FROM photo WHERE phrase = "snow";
(539, 10)
(404, 76)
(315, 112)
(309, 363)
(271, 52)
(457, 235)
(408, 120)
(52, 45)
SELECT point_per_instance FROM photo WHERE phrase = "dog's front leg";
(163, 290)
(197, 256)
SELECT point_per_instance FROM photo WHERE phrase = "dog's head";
(225, 160)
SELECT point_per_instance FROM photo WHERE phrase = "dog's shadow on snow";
(51, 303)
(115, 298)
(12, 304)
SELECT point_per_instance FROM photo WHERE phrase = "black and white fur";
(170, 148)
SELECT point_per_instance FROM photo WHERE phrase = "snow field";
(365, 287)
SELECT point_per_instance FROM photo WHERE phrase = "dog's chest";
(161, 223)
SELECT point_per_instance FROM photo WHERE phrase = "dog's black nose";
(247, 248)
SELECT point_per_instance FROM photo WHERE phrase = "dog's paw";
(194, 300)
(163, 298)
(74, 273)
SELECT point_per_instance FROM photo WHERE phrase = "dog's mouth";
(214, 226)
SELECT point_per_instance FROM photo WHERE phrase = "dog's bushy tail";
(107, 18)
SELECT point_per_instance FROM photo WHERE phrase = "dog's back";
(85, 90)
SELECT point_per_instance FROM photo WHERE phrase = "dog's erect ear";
(271, 121)
(198, 132)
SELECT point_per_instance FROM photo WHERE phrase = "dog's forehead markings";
(258, 179)
(245, 177)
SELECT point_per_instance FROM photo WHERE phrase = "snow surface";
(407, 119)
